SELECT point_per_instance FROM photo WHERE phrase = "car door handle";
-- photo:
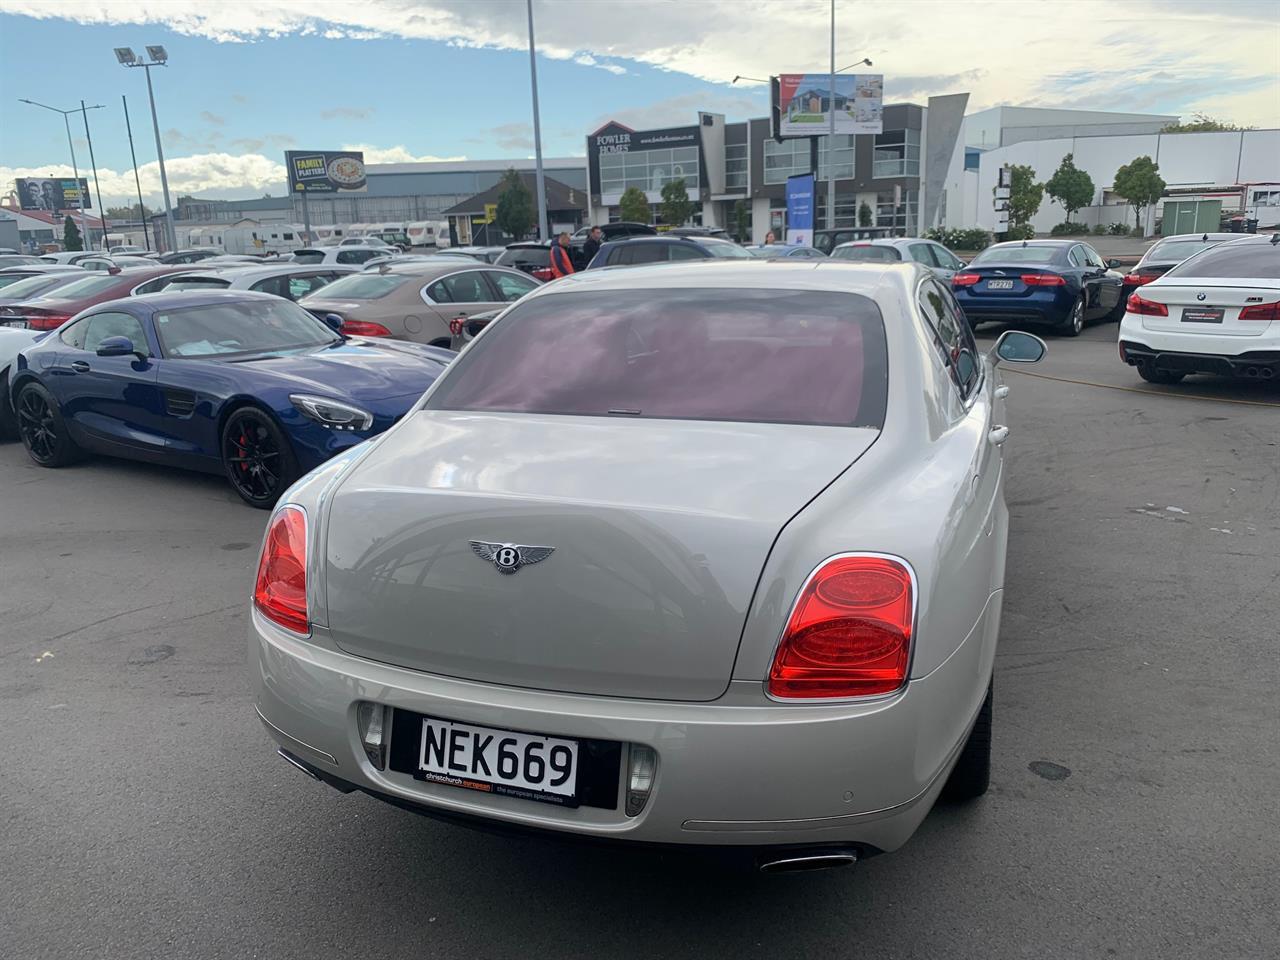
(998, 435)
(1002, 391)
(79, 366)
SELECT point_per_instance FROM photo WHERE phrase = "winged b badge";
(510, 557)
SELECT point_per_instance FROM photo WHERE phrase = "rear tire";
(1075, 320)
(1152, 375)
(42, 428)
(1116, 314)
(971, 776)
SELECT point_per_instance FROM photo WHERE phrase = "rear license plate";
(999, 284)
(20, 324)
(1202, 314)
(504, 762)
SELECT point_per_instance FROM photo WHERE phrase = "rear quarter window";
(768, 356)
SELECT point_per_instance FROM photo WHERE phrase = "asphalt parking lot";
(1132, 813)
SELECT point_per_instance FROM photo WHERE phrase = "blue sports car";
(1060, 283)
(244, 384)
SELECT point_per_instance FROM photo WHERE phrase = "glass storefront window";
(897, 154)
(649, 170)
(735, 166)
(904, 217)
(791, 157)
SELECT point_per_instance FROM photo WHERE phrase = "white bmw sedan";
(693, 554)
(1216, 312)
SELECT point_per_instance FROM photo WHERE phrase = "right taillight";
(364, 328)
(47, 321)
(849, 634)
(965, 279)
(542, 273)
(456, 325)
(1148, 308)
(1261, 311)
(280, 592)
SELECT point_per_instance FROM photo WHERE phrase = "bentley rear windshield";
(770, 356)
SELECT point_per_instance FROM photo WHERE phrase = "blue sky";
(419, 79)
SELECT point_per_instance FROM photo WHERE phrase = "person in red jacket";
(561, 261)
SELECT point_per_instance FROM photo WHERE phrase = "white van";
(428, 233)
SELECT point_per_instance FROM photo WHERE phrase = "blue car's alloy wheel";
(42, 429)
(256, 457)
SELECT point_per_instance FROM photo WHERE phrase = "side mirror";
(333, 321)
(1113, 263)
(117, 347)
(963, 264)
(1015, 346)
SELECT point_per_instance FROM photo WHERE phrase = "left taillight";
(965, 279)
(280, 593)
(47, 321)
(849, 634)
(1138, 279)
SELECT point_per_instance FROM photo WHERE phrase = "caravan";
(428, 233)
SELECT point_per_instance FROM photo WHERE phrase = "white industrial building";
(1239, 168)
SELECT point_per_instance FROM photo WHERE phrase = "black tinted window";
(525, 257)
(706, 354)
(1260, 260)
(647, 253)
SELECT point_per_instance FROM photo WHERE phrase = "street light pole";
(159, 58)
(93, 165)
(831, 135)
(142, 211)
(75, 168)
(543, 228)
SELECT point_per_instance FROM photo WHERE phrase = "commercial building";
(733, 167)
(44, 228)
(472, 220)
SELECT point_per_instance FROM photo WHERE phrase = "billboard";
(802, 103)
(800, 209)
(326, 171)
(54, 194)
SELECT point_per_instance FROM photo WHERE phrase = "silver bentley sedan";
(693, 554)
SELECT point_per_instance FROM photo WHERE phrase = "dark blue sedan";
(244, 384)
(1062, 284)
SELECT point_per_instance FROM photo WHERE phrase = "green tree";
(127, 213)
(71, 235)
(865, 216)
(1024, 195)
(515, 206)
(676, 205)
(1070, 186)
(742, 220)
(1140, 183)
(634, 205)
(1200, 123)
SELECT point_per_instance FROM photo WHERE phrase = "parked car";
(619, 230)
(56, 307)
(188, 256)
(1063, 284)
(785, 251)
(11, 275)
(12, 342)
(695, 232)
(162, 378)
(91, 260)
(937, 258)
(1168, 252)
(465, 329)
(640, 250)
(827, 240)
(370, 240)
(35, 285)
(1216, 312)
(126, 248)
(511, 611)
(353, 253)
(528, 256)
(483, 254)
(289, 280)
(19, 260)
(416, 301)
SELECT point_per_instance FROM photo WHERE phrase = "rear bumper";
(741, 771)
(1039, 308)
(1252, 364)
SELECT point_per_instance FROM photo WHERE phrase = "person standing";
(592, 245)
(769, 238)
(561, 261)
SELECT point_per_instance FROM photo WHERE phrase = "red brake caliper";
(244, 449)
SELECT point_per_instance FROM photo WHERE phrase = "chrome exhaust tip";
(804, 862)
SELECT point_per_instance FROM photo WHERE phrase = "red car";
(63, 303)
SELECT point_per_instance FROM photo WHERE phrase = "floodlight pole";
(93, 165)
(831, 135)
(171, 233)
(142, 210)
(75, 169)
(544, 229)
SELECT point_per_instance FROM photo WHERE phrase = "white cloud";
(396, 154)
(1046, 54)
